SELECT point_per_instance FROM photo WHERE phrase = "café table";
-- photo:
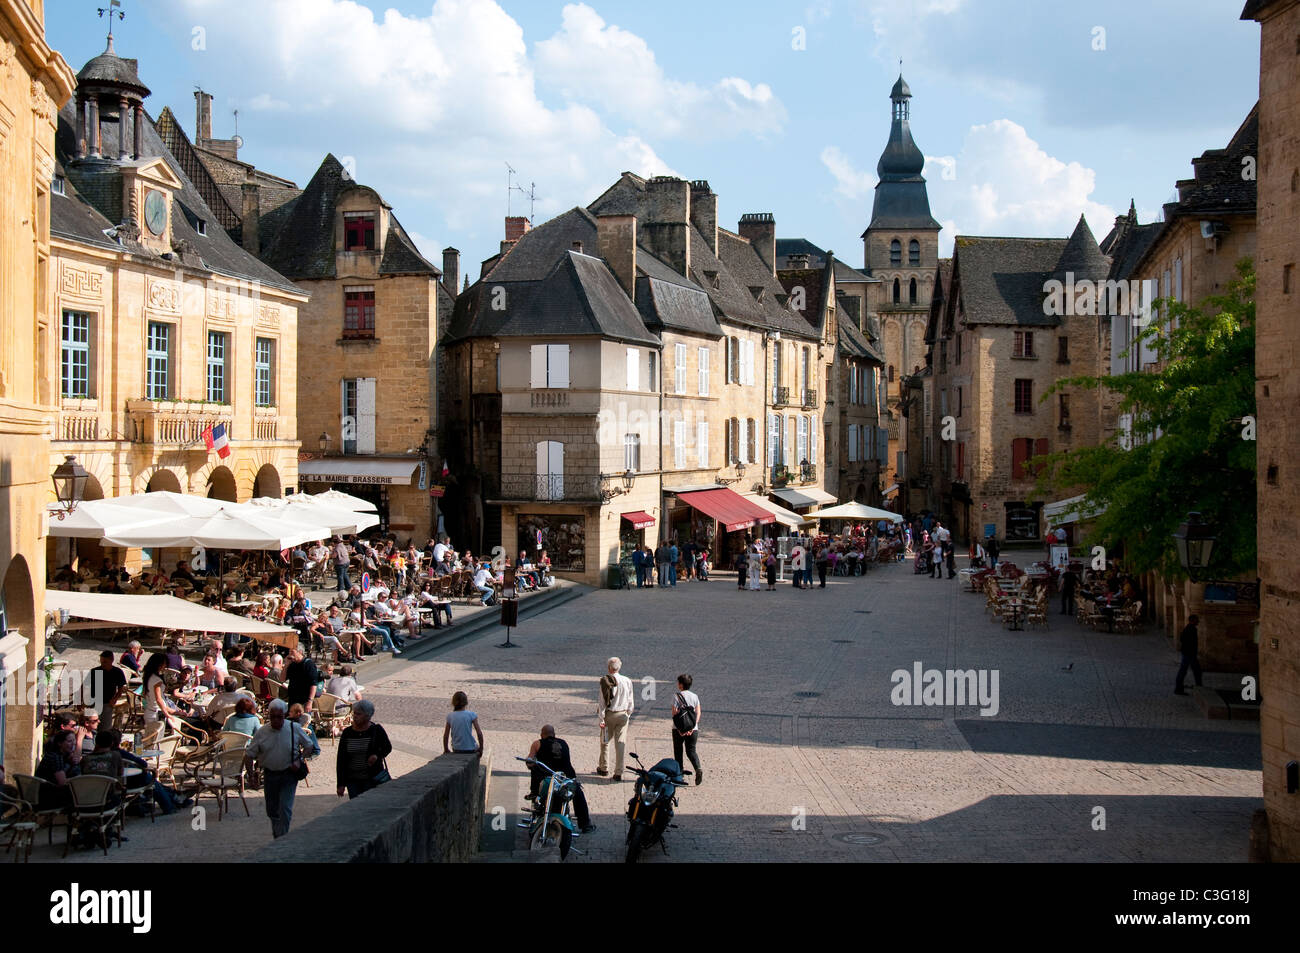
(1016, 606)
(968, 576)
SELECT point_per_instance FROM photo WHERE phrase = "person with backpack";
(686, 724)
(993, 550)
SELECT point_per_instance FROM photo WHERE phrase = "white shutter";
(726, 360)
(679, 443)
(366, 415)
(802, 452)
(853, 443)
(538, 376)
(773, 438)
(812, 440)
(704, 370)
(747, 362)
(633, 369)
(789, 442)
(743, 440)
(679, 368)
(557, 365)
(702, 442)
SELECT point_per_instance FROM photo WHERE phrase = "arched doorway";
(18, 612)
(221, 485)
(89, 552)
(860, 494)
(267, 482)
(163, 480)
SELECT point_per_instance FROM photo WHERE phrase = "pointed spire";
(1082, 256)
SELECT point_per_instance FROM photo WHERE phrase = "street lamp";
(1195, 541)
(324, 442)
(629, 480)
(69, 484)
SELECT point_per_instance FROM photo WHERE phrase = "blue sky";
(1028, 112)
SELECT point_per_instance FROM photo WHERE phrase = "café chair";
(97, 801)
(227, 777)
(18, 820)
(30, 789)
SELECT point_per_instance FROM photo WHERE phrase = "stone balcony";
(175, 423)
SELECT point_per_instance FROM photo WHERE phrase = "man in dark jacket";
(1188, 648)
(993, 549)
(554, 753)
(661, 564)
(1069, 583)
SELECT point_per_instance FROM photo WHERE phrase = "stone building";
(1277, 393)
(654, 420)
(166, 327)
(901, 249)
(366, 370)
(1005, 329)
(34, 82)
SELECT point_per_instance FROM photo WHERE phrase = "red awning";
(729, 508)
(639, 520)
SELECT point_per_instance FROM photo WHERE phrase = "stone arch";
(160, 478)
(860, 494)
(18, 611)
(89, 552)
(267, 482)
(221, 485)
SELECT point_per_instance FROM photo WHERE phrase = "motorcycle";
(651, 808)
(551, 817)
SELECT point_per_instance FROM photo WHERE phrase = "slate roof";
(844, 274)
(739, 268)
(1253, 8)
(110, 69)
(301, 235)
(1127, 242)
(1218, 185)
(815, 283)
(1082, 257)
(550, 289)
(853, 343)
(1001, 280)
(97, 185)
(940, 322)
(901, 199)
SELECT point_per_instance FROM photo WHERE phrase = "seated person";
(554, 753)
(230, 694)
(344, 685)
(328, 628)
(56, 767)
(277, 668)
(483, 583)
(244, 719)
(133, 657)
(299, 714)
(173, 654)
(368, 619)
(262, 669)
(402, 615)
(427, 597)
(237, 662)
(182, 574)
(86, 731)
(209, 676)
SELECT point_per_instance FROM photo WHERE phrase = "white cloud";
(602, 64)
(1003, 183)
(849, 181)
(265, 102)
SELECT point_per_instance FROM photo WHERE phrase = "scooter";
(552, 811)
(651, 808)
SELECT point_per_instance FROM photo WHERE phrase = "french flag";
(214, 438)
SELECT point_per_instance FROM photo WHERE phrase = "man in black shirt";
(300, 678)
(554, 753)
(1188, 648)
(102, 684)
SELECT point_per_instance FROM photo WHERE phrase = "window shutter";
(704, 370)
(742, 441)
(538, 376)
(747, 369)
(366, 415)
(679, 367)
(853, 385)
(773, 439)
(802, 449)
(812, 440)
(789, 442)
(633, 369)
(853, 443)
(557, 356)
(702, 442)
(1019, 453)
(679, 443)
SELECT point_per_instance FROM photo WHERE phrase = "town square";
(496, 434)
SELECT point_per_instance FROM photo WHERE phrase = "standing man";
(301, 678)
(823, 557)
(686, 725)
(661, 564)
(616, 705)
(798, 560)
(342, 558)
(1187, 646)
(638, 563)
(993, 550)
(673, 556)
(102, 685)
(280, 748)
(807, 562)
(1070, 583)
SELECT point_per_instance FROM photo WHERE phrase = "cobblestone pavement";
(806, 757)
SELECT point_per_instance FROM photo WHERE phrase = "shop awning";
(639, 519)
(804, 496)
(728, 507)
(157, 612)
(1055, 514)
(783, 516)
(891, 489)
(359, 470)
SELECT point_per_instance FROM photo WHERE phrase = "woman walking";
(686, 725)
(363, 746)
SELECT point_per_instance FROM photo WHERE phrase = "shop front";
(561, 536)
(397, 487)
(718, 518)
(1022, 521)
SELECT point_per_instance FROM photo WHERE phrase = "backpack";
(684, 720)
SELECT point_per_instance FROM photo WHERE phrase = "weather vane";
(111, 9)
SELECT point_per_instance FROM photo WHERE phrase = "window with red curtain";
(359, 314)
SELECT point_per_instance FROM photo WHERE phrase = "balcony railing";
(546, 487)
(780, 396)
(174, 423)
(809, 398)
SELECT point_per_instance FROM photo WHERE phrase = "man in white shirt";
(440, 549)
(617, 702)
(482, 582)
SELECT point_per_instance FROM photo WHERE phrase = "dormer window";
(56, 185)
(201, 227)
(358, 231)
(713, 279)
(758, 291)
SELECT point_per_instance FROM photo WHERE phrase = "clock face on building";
(155, 211)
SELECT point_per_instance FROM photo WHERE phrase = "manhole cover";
(639, 628)
(862, 611)
(859, 839)
(807, 694)
(842, 641)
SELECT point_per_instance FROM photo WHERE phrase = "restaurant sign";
(368, 478)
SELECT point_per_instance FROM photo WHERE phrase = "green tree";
(1192, 447)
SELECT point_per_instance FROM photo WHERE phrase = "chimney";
(451, 269)
(704, 213)
(667, 207)
(617, 236)
(202, 116)
(760, 229)
(798, 261)
(576, 246)
(252, 217)
(516, 227)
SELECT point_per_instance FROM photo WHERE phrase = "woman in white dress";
(755, 566)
